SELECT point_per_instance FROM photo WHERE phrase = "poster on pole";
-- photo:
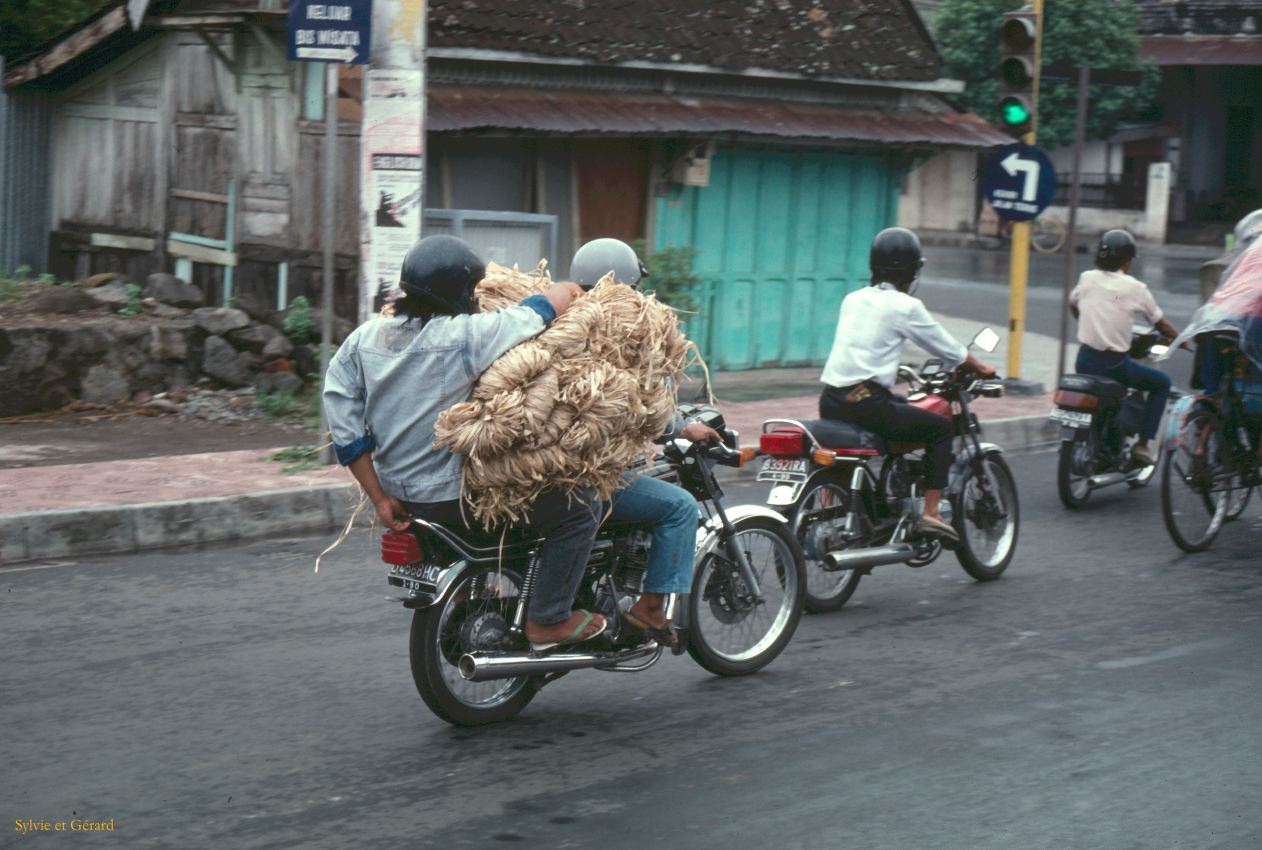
(392, 173)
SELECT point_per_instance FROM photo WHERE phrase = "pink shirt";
(1108, 304)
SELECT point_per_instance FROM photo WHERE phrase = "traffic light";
(1018, 69)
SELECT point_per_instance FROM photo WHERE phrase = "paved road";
(1103, 694)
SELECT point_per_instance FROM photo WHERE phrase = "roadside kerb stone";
(117, 529)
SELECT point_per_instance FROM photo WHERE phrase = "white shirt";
(874, 323)
(1108, 303)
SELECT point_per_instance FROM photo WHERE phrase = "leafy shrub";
(132, 307)
(299, 326)
(672, 275)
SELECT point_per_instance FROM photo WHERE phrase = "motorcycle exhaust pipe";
(484, 666)
(849, 559)
(1107, 479)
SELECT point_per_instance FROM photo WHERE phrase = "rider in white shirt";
(863, 365)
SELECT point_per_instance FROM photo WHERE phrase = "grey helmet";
(600, 257)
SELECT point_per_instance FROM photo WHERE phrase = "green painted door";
(781, 237)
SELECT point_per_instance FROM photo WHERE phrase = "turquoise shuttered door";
(781, 237)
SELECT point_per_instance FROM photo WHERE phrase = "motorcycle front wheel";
(475, 615)
(986, 515)
(731, 633)
(826, 590)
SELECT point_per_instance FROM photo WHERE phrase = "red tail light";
(1075, 401)
(400, 548)
(782, 443)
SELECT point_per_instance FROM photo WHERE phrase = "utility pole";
(1075, 196)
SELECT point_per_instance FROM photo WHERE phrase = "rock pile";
(70, 342)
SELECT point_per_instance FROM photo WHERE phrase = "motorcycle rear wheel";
(730, 634)
(440, 636)
(988, 531)
(1072, 471)
(825, 590)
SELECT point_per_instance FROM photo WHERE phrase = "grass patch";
(298, 459)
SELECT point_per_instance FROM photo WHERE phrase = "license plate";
(420, 577)
(782, 469)
(1072, 418)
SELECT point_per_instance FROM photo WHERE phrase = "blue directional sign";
(1019, 181)
(330, 32)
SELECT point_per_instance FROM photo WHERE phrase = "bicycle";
(1213, 454)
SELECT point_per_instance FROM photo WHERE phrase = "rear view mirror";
(986, 339)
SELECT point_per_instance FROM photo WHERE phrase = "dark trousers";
(570, 525)
(1119, 366)
(889, 416)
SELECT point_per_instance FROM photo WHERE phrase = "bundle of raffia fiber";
(571, 408)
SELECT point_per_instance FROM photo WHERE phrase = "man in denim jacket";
(392, 377)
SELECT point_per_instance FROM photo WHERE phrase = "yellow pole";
(1019, 266)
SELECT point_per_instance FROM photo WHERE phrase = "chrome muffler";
(484, 666)
(851, 559)
(1107, 479)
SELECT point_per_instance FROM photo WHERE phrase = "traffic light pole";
(1019, 267)
(1075, 193)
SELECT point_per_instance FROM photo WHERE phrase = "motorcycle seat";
(1105, 388)
(834, 434)
(483, 544)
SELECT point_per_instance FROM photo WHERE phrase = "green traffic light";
(1013, 112)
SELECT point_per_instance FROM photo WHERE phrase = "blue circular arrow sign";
(1019, 181)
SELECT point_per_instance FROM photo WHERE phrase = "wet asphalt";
(1103, 694)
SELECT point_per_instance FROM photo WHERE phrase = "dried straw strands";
(571, 408)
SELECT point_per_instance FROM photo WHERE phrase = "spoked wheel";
(475, 616)
(1194, 495)
(1047, 235)
(819, 514)
(1073, 469)
(986, 515)
(731, 632)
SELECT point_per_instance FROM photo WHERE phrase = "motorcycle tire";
(825, 590)
(719, 599)
(1073, 495)
(969, 521)
(434, 648)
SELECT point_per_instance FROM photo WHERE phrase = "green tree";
(26, 24)
(1095, 33)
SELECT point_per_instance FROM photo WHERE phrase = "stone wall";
(69, 343)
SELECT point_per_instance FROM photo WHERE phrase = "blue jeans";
(1118, 366)
(673, 514)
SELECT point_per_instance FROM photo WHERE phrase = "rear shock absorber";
(527, 589)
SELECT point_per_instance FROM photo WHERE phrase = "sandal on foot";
(575, 636)
(937, 528)
(666, 635)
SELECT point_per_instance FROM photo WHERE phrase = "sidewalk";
(80, 509)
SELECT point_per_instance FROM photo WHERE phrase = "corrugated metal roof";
(1203, 50)
(587, 113)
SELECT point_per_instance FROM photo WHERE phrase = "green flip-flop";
(574, 636)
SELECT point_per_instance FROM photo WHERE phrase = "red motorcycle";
(853, 500)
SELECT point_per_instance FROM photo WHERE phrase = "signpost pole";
(1075, 190)
(1020, 262)
(326, 296)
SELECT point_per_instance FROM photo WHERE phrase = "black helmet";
(1116, 247)
(600, 257)
(895, 256)
(441, 271)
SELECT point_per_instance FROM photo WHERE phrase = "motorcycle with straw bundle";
(470, 591)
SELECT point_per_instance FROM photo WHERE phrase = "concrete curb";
(116, 529)
(159, 525)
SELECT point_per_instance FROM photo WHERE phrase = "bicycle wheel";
(1237, 498)
(1192, 506)
(1047, 235)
